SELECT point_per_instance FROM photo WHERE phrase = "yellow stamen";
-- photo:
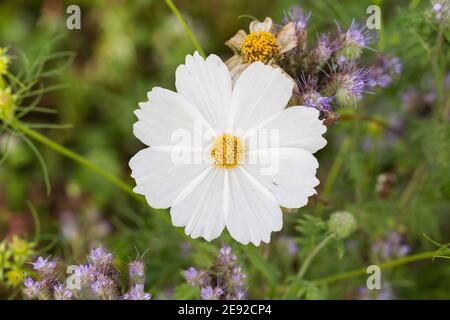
(259, 46)
(227, 151)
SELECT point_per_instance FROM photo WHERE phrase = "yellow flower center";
(227, 151)
(259, 46)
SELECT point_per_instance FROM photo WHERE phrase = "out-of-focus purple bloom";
(191, 276)
(137, 293)
(61, 292)
(289, 243)
(385, 69)
(385, 293)
(391, 246)
(99, 257)
(441, 10)
(44, 266)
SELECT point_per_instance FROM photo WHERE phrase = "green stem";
(386, 265)
(74, 156)
(186, 28)
(333, 173)
(310, 257)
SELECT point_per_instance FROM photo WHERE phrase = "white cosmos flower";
(225, 188)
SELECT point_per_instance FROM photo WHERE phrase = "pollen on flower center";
(227, 151)
(259, 46)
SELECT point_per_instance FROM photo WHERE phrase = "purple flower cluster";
(385, 70)
(391, 246)
(97, 279)
(328, 71)
(224, 280)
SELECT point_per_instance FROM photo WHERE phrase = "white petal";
(159, 178)
(260, 92)
(201, 208)
(253, 212)
(288, 173)
(207, 85)
(298, 127)
(164, 117)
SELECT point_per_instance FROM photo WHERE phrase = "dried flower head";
(264, 43)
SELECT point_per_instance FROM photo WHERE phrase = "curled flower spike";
(350, 44)
(307, 92)
(348, 83)
(264, 43)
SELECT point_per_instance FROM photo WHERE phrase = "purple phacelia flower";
(191, 276)
(44, 266)
(137, 293)
(136, 271)
(300, 20)
(86, 273)
(385, 69)
(237, 277)
(208, 293)
(350, 44)
(32, 288)
(391, 246)
(100, 258)
(323, 51)
(226, 256)
(103, 287)
(348, 83)
(61, 292)
(441, 10)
